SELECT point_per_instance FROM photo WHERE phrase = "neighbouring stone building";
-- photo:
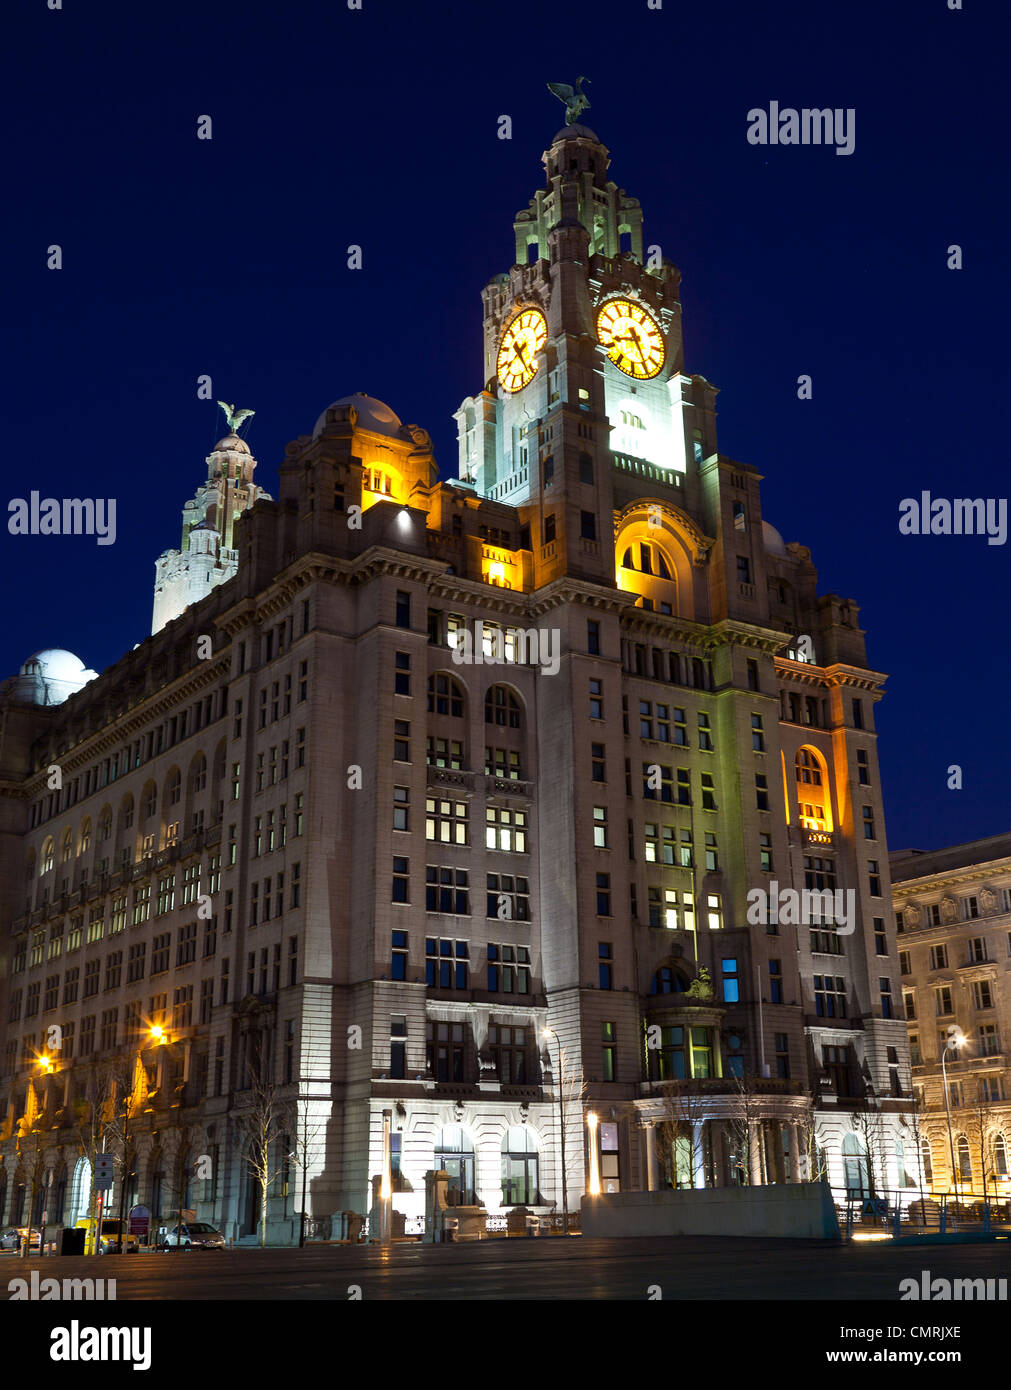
(953, 924)
(455, 786)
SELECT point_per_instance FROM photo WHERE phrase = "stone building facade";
(953, 923)
(462, 797)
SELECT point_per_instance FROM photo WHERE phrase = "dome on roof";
(232, 442)
(55, 663)
(575, 132)
(772, 540)
(373, 414)
(49, 677)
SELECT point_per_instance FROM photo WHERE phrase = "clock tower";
(583, 370)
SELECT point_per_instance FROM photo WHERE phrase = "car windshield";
(201, 1228)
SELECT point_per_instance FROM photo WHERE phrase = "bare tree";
(979, 1127)
(678, 1148)
(814, 1150)
(745, 1119)
(262, 1125)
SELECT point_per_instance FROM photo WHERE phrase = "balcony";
(449, 777)
(508, 786)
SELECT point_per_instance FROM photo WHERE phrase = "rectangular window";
(446, 963)
(830, 996)
(508, 898)
(863, 770)
(761, 791)
(775, 982)
(402, 673)
(596, 699)
(608, 1052)
(757, 734)
(403, 612)
(731, 982)
(447, 890)
(506, 830)
(593, 637)
(401, 880)
(603, 895)
(600, 827)
(765, 851)
(508, 969)
(446, 822)
(605, 966)
(885, 988)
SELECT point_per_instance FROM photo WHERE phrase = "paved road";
(683, 1267)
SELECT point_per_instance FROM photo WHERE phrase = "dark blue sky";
(378, 127)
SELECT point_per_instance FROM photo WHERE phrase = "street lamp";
(160, 1038)
(591, 1122)
(550, 1032)
(956, 1039)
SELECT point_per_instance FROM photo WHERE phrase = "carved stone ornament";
(911, 915)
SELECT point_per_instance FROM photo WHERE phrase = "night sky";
(331, 127)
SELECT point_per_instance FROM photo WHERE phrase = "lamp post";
(592, 1121)
(561, 1130)
(956, 1039)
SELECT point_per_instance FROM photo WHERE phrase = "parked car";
(195, 1235)
(109, 1242)
(14, 1237)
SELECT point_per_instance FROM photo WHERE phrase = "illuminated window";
(810, 791)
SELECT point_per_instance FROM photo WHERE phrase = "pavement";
(665, 1267)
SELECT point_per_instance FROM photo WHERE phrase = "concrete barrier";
(788, 1209)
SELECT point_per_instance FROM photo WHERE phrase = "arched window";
(502, 707)
(80, 1191)
(157, 1184)
(48, 855)
(646, 558)
(812, 794)
(519, 1168)
(85, 836)
(667, 980)
(926, 1158)
(67, 846)
(855, 1172)
(964, 1159)
(1000, 1156)
(906, 1178)
(455, 1153)
(58, 1200)
(445, 696)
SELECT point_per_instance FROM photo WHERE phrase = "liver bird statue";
(233, 417)
(574, 98)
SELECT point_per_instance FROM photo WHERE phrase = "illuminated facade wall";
(953, 920)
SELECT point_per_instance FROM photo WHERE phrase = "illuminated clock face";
(517, 354)
(631, 337)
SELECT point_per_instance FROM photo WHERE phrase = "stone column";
(698, 1154)
(647, 1135)
(755, 1154)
